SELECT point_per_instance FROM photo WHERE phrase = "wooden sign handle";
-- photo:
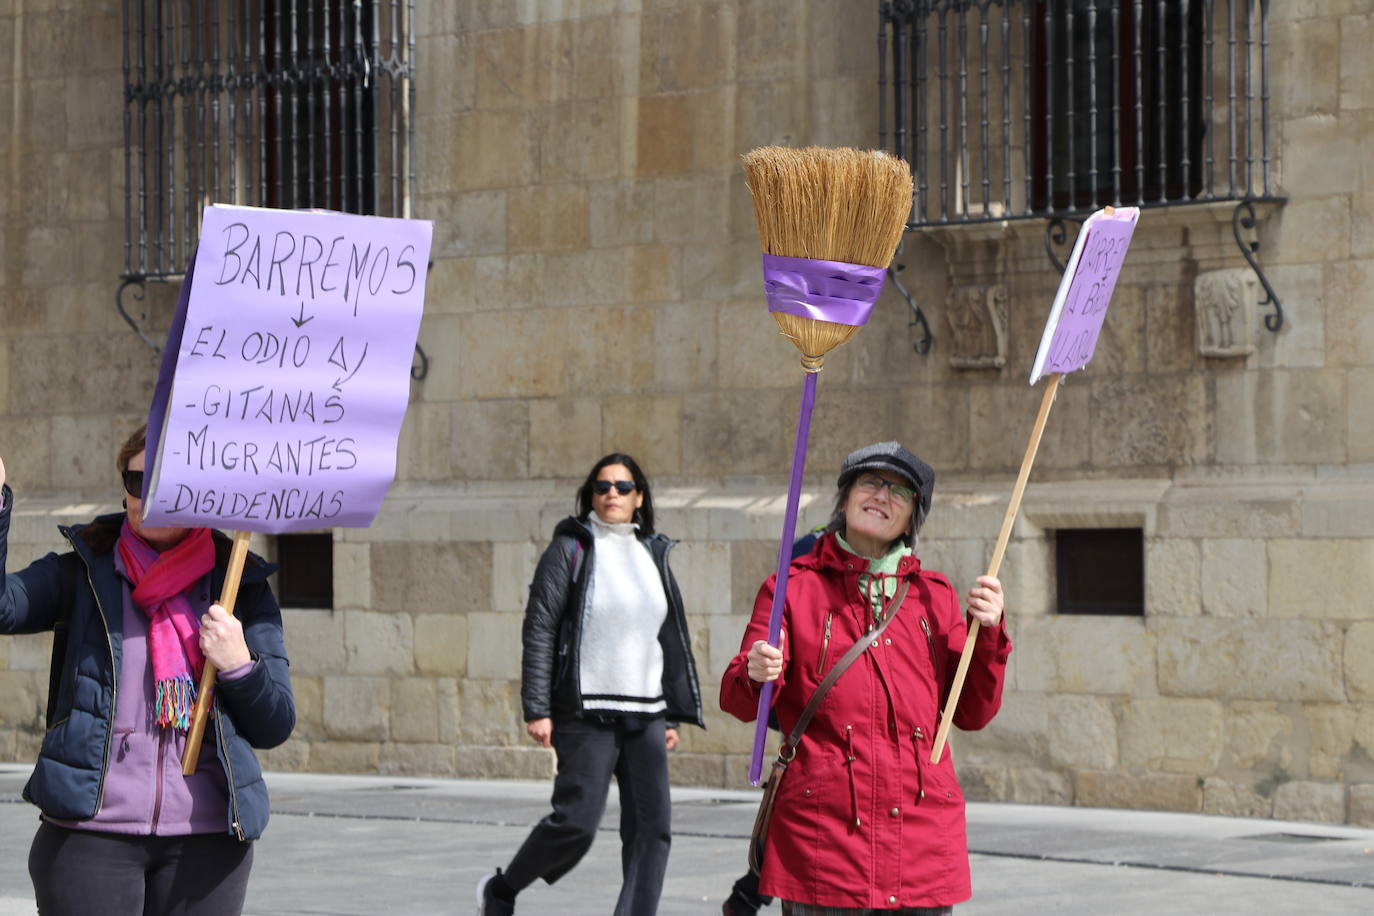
(196, 733)
(946, 720)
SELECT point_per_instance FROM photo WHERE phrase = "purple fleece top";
(144, 791)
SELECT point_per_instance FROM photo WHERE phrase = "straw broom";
(823, 204)
(831, 204)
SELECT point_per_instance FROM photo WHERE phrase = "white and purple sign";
(1080, 305)
(287, 371)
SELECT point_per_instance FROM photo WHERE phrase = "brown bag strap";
(758, 838)
(789, 747)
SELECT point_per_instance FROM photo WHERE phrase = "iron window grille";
(1050, 109)
(274, 103)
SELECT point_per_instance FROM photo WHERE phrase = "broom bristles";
(831, 204)
(813, 337)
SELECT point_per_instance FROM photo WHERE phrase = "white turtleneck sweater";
(621, 666)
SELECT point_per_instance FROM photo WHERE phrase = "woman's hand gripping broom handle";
(946, 720)
(196, 732)
(789, 531)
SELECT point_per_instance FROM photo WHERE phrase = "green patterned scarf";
(879, 583)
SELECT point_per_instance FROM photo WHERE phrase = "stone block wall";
(595, 287)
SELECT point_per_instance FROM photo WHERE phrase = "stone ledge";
(1322, 802)
(486, 762)
(1145, 792)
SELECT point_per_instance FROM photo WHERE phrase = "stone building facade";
(595, 286)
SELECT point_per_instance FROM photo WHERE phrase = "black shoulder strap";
(69, 568)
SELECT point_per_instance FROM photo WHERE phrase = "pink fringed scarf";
(160, 583)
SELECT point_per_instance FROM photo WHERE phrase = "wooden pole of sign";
(942, 734)
(227, 595)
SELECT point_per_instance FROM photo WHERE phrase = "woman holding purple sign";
(133, 624)
(863, 822)
(608, 675)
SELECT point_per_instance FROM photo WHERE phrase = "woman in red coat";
(863, 820)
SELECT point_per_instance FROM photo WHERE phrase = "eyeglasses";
(133, 482)
(623, 487)
(871, 483)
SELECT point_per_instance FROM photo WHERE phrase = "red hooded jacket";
(863, 819)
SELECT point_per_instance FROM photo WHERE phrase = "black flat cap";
(891, 456)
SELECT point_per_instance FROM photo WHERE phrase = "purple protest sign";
(286, 376)
(1080, 305)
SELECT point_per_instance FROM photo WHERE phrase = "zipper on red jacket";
(849, 759)
(916, 736)
(934, 659)
(825, 642)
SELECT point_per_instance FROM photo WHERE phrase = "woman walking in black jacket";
(607, 677)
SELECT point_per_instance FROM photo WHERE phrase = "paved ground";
(357, 846)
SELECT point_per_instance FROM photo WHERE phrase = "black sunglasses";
(133, 482)
(623, 487)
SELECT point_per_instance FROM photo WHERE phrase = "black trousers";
(78, 872)
(589, 754)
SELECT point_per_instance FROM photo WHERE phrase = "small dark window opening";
(1100, 570)
(306, 575)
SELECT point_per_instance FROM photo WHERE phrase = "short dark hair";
(644, 515)
(136, 443)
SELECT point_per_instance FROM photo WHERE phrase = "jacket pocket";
(922, 752)
(121, 742)
(798, 824)
(562, 654)
(560, 666)
(825, 644)
(61, 707)
(935, 782)
(54, 743)
(930, 644)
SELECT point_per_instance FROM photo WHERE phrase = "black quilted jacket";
(553, 629)
(257, 710)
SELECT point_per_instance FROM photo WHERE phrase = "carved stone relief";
(978, 324)
(1224, 302)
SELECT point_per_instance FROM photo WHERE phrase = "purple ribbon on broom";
(832, 291)
(826, 291)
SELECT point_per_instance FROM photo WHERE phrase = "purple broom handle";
(789, 531)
